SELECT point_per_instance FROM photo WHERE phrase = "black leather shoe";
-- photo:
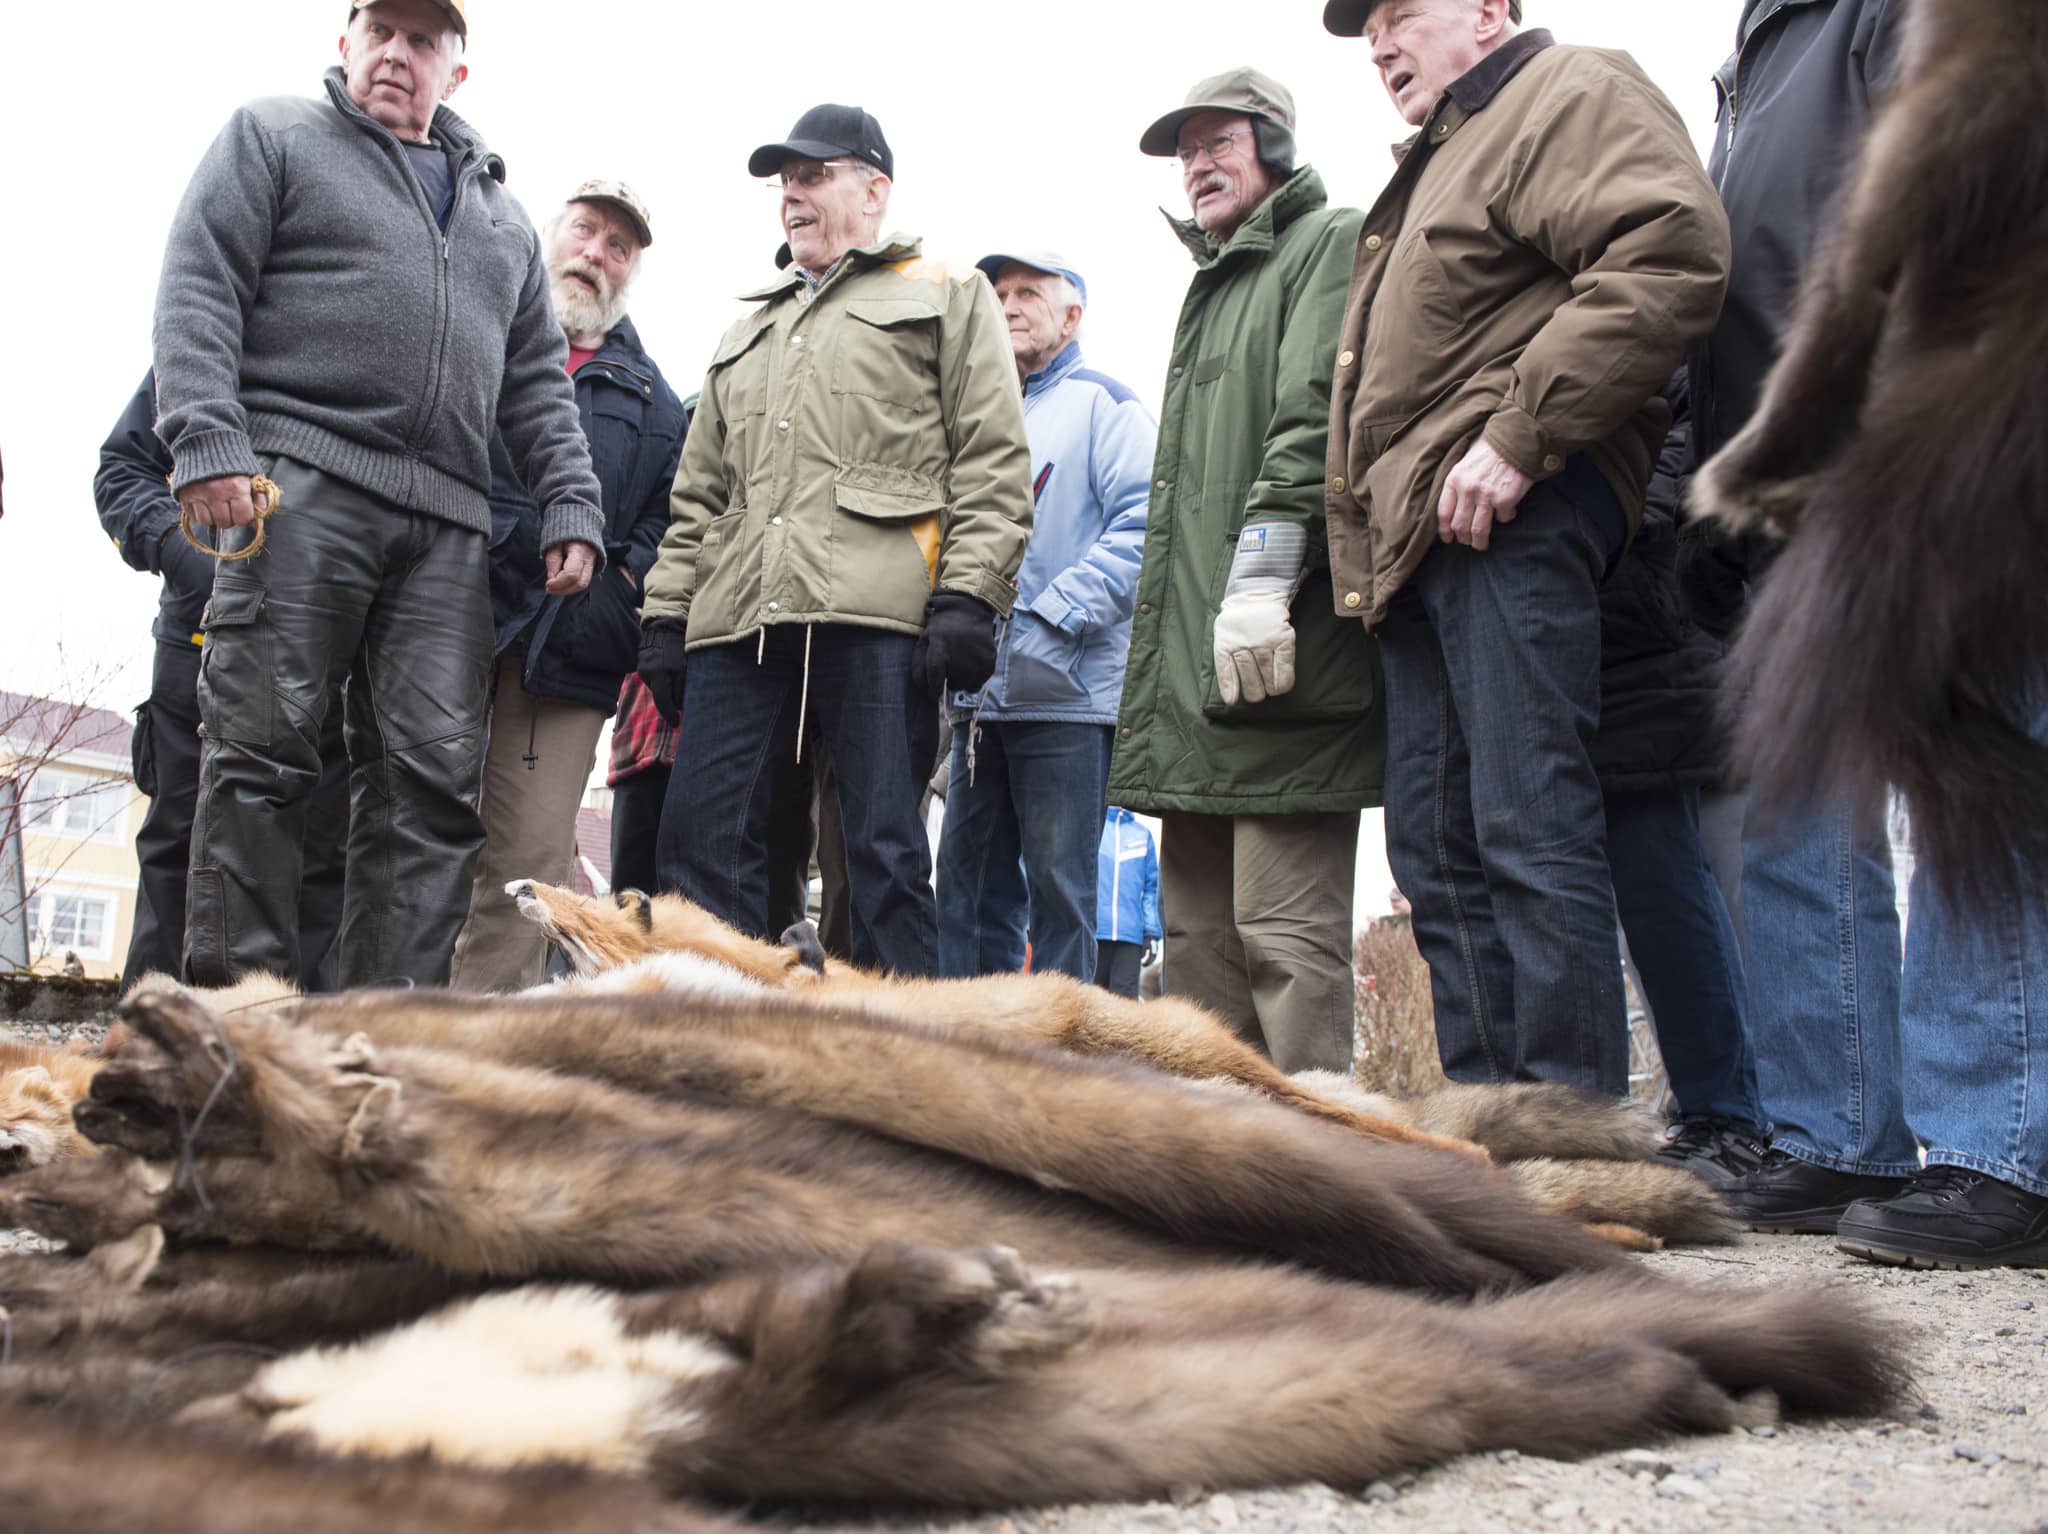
(1787, 1194)
(1950, 1217)
(1718, 1151)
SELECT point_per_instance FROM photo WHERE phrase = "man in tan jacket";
(1531, 275)
(850, 512)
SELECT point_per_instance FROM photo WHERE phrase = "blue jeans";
(1495, 828)
(1684, 948)
(1823, 960)
(1024, 806)
(740, 720)
(1861, 1061)
(1974, 1024)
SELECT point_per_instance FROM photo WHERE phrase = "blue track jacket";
(1126, 881)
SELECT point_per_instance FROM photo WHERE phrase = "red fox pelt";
(1901, 637)
(501, 1169)
(965, 1378)
(38, 1085)
(599, 934)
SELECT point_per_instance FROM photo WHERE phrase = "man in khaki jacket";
(1531, 275)
(852, 505)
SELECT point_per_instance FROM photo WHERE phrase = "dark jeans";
(1023, 825)
(1494, 818)
(1119, 966)
(166, 760)
(1684, 947)
(740, 716)
(636, 828)
(348, 588)
(636, 821)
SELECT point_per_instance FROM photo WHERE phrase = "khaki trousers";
(1257, 911)
(536, 767)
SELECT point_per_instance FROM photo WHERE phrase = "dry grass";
(1394, 1045)
(1394, 1042)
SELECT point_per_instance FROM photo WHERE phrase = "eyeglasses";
(1215, 148)
(810, 177)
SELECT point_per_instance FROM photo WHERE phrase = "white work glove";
(1253, 642)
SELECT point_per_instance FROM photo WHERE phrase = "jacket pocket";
(237, 669)
(1413, 338)
(890, 353)
(142, 751)
(1336, 668)
(887, 567)
(600, 634)
(1041, 663)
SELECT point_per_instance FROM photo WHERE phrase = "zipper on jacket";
(433, 405)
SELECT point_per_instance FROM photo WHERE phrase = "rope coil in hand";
(264, 496)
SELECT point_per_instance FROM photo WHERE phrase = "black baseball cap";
(825, 133)
(1347, 18)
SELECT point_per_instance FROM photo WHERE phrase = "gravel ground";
(1968, 1450)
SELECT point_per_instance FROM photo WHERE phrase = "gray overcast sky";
(1010, 124)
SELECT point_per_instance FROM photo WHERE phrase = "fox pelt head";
(37, 1088)
(598, 933)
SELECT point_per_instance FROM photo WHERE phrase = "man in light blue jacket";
(1031, 750)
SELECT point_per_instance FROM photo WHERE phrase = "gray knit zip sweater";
(310, 307)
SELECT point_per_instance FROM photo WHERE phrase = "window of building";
(61, 922)
(75, 804)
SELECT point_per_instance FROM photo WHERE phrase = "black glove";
(1151, 952)
(661, 666)
(957, 650)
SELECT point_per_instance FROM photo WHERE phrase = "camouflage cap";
(454, 8)
(622, 197)
(1237, 90)
(1347, 18)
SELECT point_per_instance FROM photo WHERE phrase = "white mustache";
(1214, 181)
(586, 270)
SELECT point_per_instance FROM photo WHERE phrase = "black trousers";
(166, 762)
(1118, 965)
(636, 819)
(348, 588)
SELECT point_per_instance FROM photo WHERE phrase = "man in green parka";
(1251, 721)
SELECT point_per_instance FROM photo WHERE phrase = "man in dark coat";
(1656, 750)
(561, 658)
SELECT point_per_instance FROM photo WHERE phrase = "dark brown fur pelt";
(61, 1474)
(945, 1140)
(966, 1378)
(1901, 637)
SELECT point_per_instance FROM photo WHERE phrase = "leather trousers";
(348, 588)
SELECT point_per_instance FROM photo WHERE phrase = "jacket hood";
(447, 126)
(1300, 193)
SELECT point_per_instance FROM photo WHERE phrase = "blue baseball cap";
(1038, 261)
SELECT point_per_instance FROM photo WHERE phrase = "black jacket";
(1793, 103)
(579, 648)
(1658, 668)
(132, 492)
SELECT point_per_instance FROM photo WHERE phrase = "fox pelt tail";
(1894, 639)
(1516, 1120)
(1900, 641)
(1667, 1202)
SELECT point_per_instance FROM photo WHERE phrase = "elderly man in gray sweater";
(350, 303)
